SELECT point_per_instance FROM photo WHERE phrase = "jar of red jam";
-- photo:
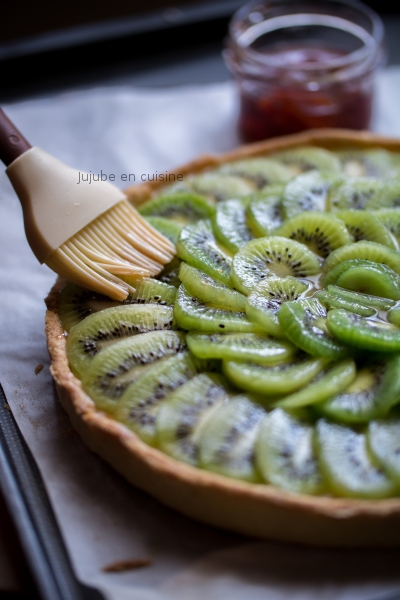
(304, 64)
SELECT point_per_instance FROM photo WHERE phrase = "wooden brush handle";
(12, 142)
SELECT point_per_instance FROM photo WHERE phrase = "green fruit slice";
(271, 256)
(374, 279)
(284, 378)
(383, 439)
(102, 329)
(198, 247)
(139, 405)
(264, 303)
(373, 302)
(170, 229)
(370, 251)
(321, 233)
(284, 454)
(363, 225)
(354, 194)
(183, 208)
(375, 389)
(353, 330)
(240, 346)
(390, 218)
(304, 323)
(117, 367)
(389, 196)
(307, 192)
(332, 300)
(77, 303)
(191, 313)
(368, 163)
(260, 171)
(226, 444)
(219, 186)
(230, 225)
(348, 467)
(264, 212)
(182, 416)
(326, 384)
(170, 273)
(210, 290)
(308, 158)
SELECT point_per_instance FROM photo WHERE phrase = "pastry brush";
(88, 232)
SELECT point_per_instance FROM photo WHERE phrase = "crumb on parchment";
(126, 565)
(38, 368)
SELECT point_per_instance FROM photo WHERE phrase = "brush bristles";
(119, 242)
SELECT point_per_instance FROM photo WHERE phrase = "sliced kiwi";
(226, 444)
(100, 330)
(192, 313)
(366, 300)
(270, 257)
(283, 378)
(77, 303)
(260, 171)
(393, 315)
(304, 323)
(354, 193)
(376, 163)
(375, 335)
(208, 289)
(375, 389)
(117, 367)
(183, 415)
(366, 251)
(150, 291)
(320, 232)
(264, 211)
(198, 247)
(284, 454)
(240, 346)
(230, 225)
(264, 302)
(390, 218)
(139, 405)
(347, 465)
(330, 299)
(170, 229)
(307, 192)
(388, 198)
(170, 273)
(308, 158)
(182, 207)
(363, 225)
(383, 440)
(325, 384)
(373, 279)
(219, 186)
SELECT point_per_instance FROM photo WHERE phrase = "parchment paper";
(103, 519)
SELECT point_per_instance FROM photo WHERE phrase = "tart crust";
(258, 510)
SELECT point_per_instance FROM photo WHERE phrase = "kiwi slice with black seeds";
(284, 454)
(192, 313)
(283, 378)
(372, 393)
(100, 330)
(170, 273)
(368, 334)
(308, 158)
(139, 405)
(264, 211)
(388, 198)
(182, 207)
(354, 193)
(320, 232)
(307, 192)
(367, 300)
(304, 323)
(329, 382)
(150, 291)
(240, 346)
(170, 229)
(373, 279)
(198, 247)
(376, 163)
(264, 302)
(117, 367)
(366, 251)
(226, 443)
(77, 303)
(208, 289)
(330, 299)
(260, 171)
(383, 440)
(347, 465)
(230, 225)
(184, 413)
(390, 218)
(362, 225)
(271, 257)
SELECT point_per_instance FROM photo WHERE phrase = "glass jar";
(304, 64)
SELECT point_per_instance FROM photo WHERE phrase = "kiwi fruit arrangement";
(257, 378)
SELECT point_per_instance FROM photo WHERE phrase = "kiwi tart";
(255, 383)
